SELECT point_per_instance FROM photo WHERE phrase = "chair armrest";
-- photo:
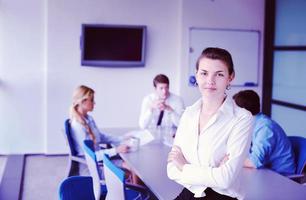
(299, 178)
(136, 187)
(145, 193)
(115, 157)
(105, 146)
(102, 182)
(80, 159)
(293, 176)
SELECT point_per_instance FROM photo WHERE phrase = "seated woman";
(84, 127)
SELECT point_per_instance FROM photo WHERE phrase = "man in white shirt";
(161, 108)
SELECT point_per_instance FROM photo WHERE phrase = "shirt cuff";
(255, 160)
(173, 172)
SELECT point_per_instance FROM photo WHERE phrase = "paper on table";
(144, 136)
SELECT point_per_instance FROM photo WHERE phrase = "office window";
(290, 26)
(284, 90)
(289, 71)
(294, 125)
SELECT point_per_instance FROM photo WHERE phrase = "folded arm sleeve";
(172, 171)
(224, 175)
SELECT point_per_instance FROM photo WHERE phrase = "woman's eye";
(221, 75)
(203, 73)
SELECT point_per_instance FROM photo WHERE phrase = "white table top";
(150, 162)
(266, 184)
(150, 165)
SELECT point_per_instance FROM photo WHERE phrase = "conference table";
(149, 162)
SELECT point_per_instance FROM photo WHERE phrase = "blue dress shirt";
(271, 147)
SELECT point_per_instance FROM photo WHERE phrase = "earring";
(228, 87)
(193, 81)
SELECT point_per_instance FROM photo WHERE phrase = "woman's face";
(87, 104)
(213, 77)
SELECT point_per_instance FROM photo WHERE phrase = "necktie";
(160, 118)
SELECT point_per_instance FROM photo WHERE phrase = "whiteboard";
(242, 44)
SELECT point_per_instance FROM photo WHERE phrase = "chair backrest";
(73, 151)
(299, 148)
(114, 178)
(93, 167)
(76, 188)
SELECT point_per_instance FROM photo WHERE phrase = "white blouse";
(227, 132)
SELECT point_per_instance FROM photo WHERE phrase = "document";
(145, 136)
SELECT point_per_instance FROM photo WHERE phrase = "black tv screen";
(113, 45)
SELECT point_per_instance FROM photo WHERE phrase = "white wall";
(40, 64)
(227, 14)
(21, 76)
(119, 92)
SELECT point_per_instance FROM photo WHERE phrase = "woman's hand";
(224, 160)
(122, 148)
(177, 158)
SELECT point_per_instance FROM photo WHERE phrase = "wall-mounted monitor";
(113, 45)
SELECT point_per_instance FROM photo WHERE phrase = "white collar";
(227, 106)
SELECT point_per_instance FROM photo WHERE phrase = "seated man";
(270, 147)
(161, 108)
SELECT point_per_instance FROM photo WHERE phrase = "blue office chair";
(76, 188)
(74, 159)
(299, 148)
(117, 188)
(94, 170)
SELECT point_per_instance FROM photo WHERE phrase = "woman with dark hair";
(210, 130)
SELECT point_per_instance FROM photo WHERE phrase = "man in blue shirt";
(270, 146)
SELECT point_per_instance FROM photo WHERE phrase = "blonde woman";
(84, 127)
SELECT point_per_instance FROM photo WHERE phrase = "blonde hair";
(80, 94)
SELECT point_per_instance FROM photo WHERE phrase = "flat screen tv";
(113, 45)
